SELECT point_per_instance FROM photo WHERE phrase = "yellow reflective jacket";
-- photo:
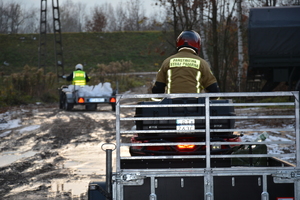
(79, 78)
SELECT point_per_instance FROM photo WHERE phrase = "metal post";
(118, 137)
(108, 148)
(207, 133)
(152, 189)
(43, 36)
(208, 179)
(297, 121)
(265, 193)
(59, 61)
(109, 172)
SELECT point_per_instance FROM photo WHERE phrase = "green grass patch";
(146, 50)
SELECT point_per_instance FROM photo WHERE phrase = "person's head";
(190, 39)
(79, 67)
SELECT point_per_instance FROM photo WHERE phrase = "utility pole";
(58, 47)
(59, 61)
(43, 35)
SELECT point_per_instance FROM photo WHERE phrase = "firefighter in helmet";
(185, 71)
(78, 77)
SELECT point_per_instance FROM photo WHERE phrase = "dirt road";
(53, 154)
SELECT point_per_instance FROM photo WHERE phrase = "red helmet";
(189, 39)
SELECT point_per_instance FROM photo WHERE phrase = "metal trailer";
(208, 177)
(68, 99)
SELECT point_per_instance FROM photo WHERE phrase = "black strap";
(158, 87)
(213, 88)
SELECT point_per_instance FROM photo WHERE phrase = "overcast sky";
(147, 4)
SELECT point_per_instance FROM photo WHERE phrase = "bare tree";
(98, 21)
(135, 17)
(17, 19)
(215, 39)
(261, 3)
(4, 18)
(203, 33)
(81, 8)
(130, 17)
(72, 16)
(120, 16)
(11, 17)
(217, 27)
(181, 15)
(153, 22)
(111, 18)
(31, 23)
(240, 44)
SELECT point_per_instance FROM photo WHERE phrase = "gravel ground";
(47, 153)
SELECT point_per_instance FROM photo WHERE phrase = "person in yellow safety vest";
(78, 77)
(185, 71)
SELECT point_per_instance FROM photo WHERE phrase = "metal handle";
(108, 146)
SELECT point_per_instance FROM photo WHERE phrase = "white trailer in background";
(88, 96)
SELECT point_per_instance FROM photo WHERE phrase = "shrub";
(28, 86)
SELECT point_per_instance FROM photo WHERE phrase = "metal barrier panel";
(255, 114)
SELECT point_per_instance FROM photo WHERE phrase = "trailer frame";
(154, 183)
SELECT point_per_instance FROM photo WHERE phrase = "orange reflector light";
(81, 100)
(112, 100)
(189, 146)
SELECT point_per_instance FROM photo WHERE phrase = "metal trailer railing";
(284, 174)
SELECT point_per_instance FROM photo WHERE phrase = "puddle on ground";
(76, 188)
(84, 168)
(29, 128)
(87, 159)
(6, 158)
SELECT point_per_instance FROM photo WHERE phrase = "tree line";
(77, 17)
(222, 25)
